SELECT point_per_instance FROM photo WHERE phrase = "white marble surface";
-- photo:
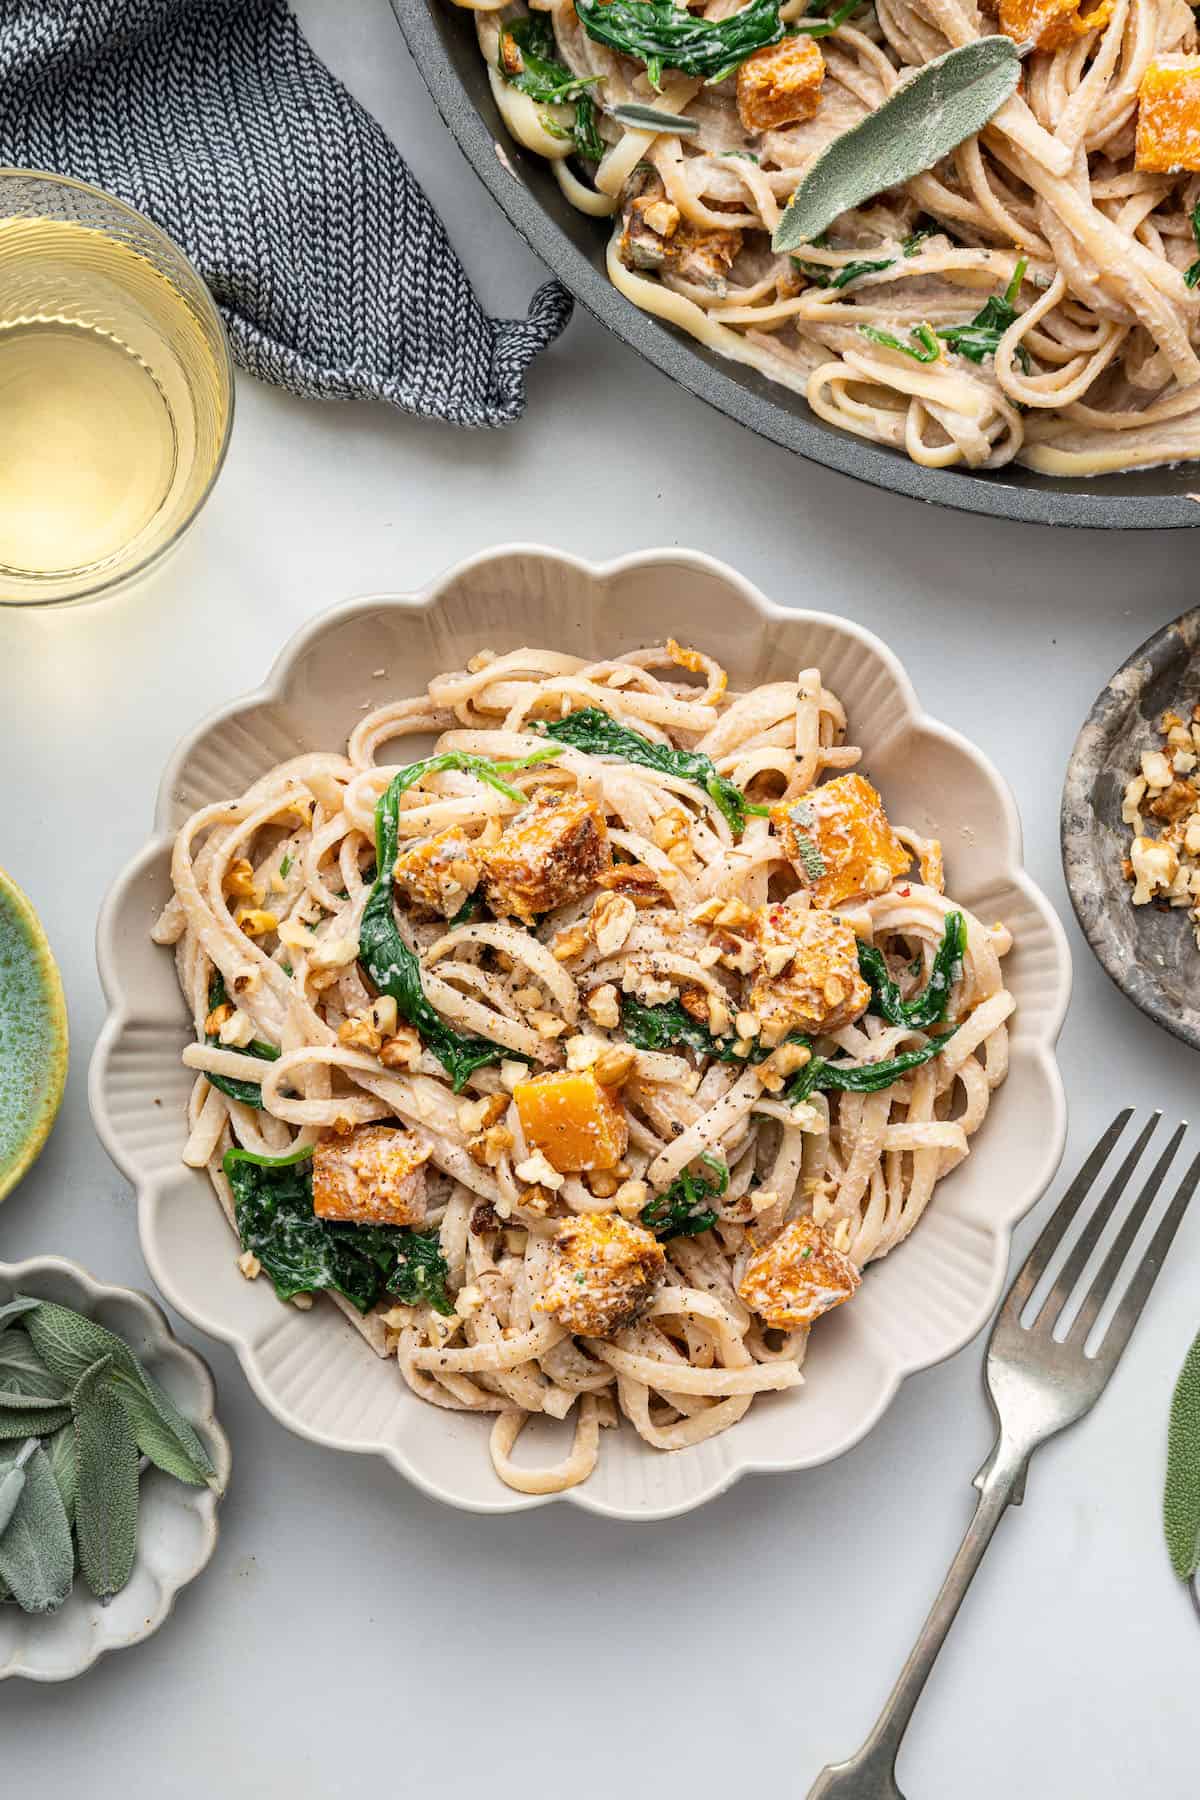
(353, 1638)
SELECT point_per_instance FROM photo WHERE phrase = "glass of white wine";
(116, 391)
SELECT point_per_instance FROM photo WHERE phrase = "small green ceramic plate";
(33, 1036)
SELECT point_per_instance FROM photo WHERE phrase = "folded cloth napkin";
(214, 117)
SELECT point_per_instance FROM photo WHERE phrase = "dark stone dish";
(1149, 951)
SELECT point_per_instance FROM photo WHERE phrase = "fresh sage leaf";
(69, 1344)
(37, 1557)
(12, 1485)
(31, 1421)
(23, 1372)
(64, 1466)
(106, 1507)
(12, 1309)
(1181, 1497)
(11, 1400)
(161, 1432)
(927, 116)
(653, 118)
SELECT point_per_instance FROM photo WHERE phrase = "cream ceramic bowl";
(917, 1306)
(177, 1524)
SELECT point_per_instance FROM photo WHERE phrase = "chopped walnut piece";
(603, 1007)
(643, 886)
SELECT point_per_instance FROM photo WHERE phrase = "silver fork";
(1037, 1387)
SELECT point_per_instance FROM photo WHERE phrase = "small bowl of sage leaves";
(112, 1465)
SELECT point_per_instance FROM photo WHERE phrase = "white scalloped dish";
(177, 1524)
(915, 1307)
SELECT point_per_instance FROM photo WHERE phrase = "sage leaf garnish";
(11, 1400)
(37, 1558)
(949, 99)
(652, 118)
(1181, 1496)
(12, 1484)
(161, 1432)
(107, 1505)
(95, 1413)
(64, 1465)
(31, 1421)
(69, 1344)
(22, 1371)
(12, 1309)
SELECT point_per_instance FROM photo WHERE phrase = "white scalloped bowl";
(917, 1306)
(177, 1524)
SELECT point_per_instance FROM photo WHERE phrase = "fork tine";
(1089, 1237)
(1110, 1268)
(1052, 1232)
(1146, 1274)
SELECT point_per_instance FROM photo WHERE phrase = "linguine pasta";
(1094, 366)
(588, 1060)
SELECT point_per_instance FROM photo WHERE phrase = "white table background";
(354, 1638)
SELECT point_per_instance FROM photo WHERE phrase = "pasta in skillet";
(587, 1060)
(1031, 297)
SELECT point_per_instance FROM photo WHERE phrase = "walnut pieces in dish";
(1164, 865)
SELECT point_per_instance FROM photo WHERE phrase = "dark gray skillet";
(1150, 954)
(442, 40)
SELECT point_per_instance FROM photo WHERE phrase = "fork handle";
(868, 1775)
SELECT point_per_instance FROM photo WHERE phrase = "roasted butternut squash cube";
(654, 236)
(375, 1176)
(575, 1122)
(796, 1277)
(780, 85)
(704, 257)
(839, 842)
(807, 977)
(1168, 120)
(1050, 24)
(550, 853)
(604, 1271)
(438, 872)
